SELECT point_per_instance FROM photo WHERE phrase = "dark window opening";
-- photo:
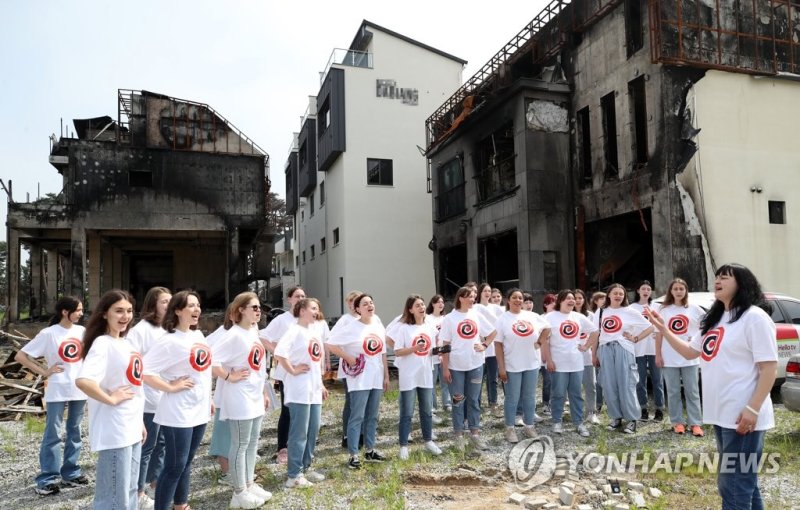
(311, 203)
(379, 172)
(335, 236)
(451, 198)
(634, 29)
(585, 148)
(323, 245)
(321, 194)
(304, 256)
(610, 135)
(452, 269)
(497, 260)
(620, 250)
(777, 212)
(313, 252)
(140, 178)
(323, 118)
(495, 163)
(638, 105)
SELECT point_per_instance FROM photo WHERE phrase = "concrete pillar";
(77, 263)
(13, 275)
(232, 281)
(94, 268)
(37, 281)
(51, 281)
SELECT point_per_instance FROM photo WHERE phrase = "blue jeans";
(220, 437)
(619, 377)
(242, 452)
(589, 388)
(691, 390)
(465, 389)
(117, 473)
(444, 388)
(50, 461)
(564, 383)
(152, 450)
(738, 486)
(173, 482)
(490, 373)
(645, 363)
(407, 399)
(303, 436)
(520, 391)
(364, 405)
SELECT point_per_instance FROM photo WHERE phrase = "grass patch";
(34, 425)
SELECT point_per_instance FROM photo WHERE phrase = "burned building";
(168, 193)
(619, 140)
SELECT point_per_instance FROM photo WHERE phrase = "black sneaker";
(645, 415)
(630, 428)
(615, 424)
(659, 415)
(374, 456)
(354, 463)
(78, 481)
(48, 490)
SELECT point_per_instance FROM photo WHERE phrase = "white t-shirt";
(273, 333)
(415, 369)
(436, 322)
(613, 322)
(301, 345)
(241, 348)
(343, 321)
(728, 356)
(517, 335)
(645, 346)
(64, 347)
(565, 338)
(491, 313)
(177, 355)
(463, 331)
(113, 363)
(213, 340)
(685, 323)
(368, 339)
(143, 336)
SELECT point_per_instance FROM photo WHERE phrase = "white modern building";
(356, 178)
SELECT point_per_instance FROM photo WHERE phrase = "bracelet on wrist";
(751, 410)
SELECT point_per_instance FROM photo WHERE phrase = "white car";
(785, 314)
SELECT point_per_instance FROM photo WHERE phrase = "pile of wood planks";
(21, 391)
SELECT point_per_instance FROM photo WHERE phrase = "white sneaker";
(537, 418)
(479, 442)
(313, 476)
(511, 435)
(436, 420)
(530, 431)
(259, 492)
(558, 428)
(518, 422)
(593, 419)
(404, 453)
(297, 482)
(432, 448)
(226, 479)
(146, 502)
(245, 499)
(583, 431)
(434, 437)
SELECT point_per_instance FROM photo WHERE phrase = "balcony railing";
(496, 179)
(350, 58)
(451, 202)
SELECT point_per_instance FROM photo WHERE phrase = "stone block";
(516, 498)
(535, 503)
(566, 496)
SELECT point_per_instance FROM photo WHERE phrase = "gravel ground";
(458, 480)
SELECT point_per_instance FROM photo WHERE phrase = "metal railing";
(350, 58)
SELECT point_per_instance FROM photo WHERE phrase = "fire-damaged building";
(168, 193)
(622, 140)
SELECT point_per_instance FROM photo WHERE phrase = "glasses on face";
(255, 308)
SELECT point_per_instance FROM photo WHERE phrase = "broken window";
(634, 27)
(498, 260)
(495, 163)
(140, 178)
(777, 212)
(584, 148)
(379, 172)
(610, 135)
(638, 107)
(451, 198)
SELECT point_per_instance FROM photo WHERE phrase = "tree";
(276, 213)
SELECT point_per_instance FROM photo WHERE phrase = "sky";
(254, 62)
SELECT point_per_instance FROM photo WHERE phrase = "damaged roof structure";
(622, 140)
(169, 193)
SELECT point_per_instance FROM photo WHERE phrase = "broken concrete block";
(584, 507)
(574, 477)
(607, 488)
(593, 494)
(561, 472)
(637, 498)
(568, 485)
(654, 493)
(555, 490)
(636, 486)
(609, 503)
(621, 506)
(516, 498)
(535, 503)
(550, 506)
(566, 496)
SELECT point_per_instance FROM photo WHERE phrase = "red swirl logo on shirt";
(679, 324)
(135, 369)
(424, 340)
(70, 350)
(315, 350)
(256, 356)
(373, 344)
(200, 357)
(569, 330)
(711, 343)
(612, 325)
(522, 328)
(467, 329)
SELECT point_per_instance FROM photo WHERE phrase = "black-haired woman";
(435, 317)
(645, 351)
(738, 355)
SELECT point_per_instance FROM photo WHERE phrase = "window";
(638, 106)
(322, 245)
(140, 178)
(304, 256)
(311, 203)
(495, 163)
(792, 309)
(335, 236)
(313, 252)
(451, 198)
(296, 261)
(379, 172)
(610, 135)
(777, 212)
(323, 118)
(634, 26)
(322, 193)
(302, 216)
(585, 148)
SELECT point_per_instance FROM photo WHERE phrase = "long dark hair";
(748, 294)
(435, 299)
(480, 291)
(585, 308)
(178, 302)
(408, 315)
(64, 303)
(150, 305)
(98, 325)
(639, 296)
(611, 287)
